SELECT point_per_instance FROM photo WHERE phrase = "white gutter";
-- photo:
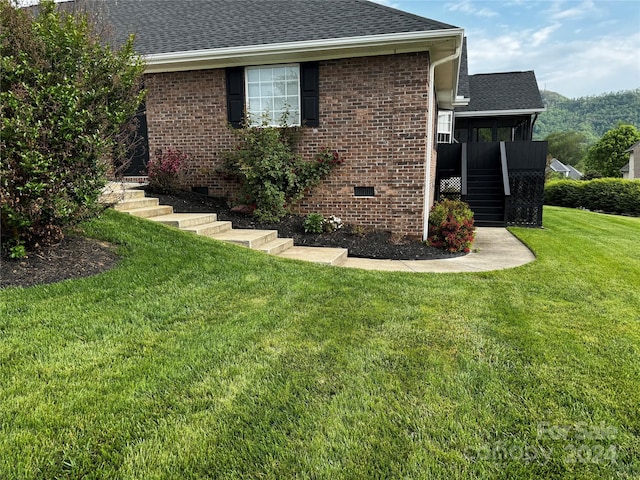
(431, 138)
(496, 113)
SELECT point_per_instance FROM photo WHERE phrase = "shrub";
(64, 98)
(565, 193)
(451, 226)
(611, 195)
(272, 174)
(313, 223)
(166, 170)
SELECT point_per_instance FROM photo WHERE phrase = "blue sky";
(576, 47)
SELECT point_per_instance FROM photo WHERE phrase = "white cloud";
(558, 12)
(542, 35)
(470, 9)
(573, 68)
(604, 64)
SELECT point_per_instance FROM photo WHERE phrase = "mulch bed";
(73, 257)
(76, 257)
(368, 244)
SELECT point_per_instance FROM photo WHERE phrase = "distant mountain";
(592, 116)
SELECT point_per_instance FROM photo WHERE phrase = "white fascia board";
(302, 51)
(461, 102)
(500, 113)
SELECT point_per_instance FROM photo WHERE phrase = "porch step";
(185, 220)
(208, 229)
(324, 255)
(136, 203)
(150, 212)
(116, 196)
(246, 237)
(274, 247)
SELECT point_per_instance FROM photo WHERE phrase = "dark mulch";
(73, 257)
(369, 244)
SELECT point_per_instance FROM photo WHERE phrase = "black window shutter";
(310, 94)
(235, 96)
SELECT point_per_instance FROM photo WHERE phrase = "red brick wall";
(373, 111)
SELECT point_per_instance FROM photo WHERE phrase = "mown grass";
(195, 359)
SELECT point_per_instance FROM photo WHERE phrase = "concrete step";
(135, 203)
(324, 255)
(150, 212)
(208, 229)
(111, 195)
(185, 220)
(246, 237)
(276, 246)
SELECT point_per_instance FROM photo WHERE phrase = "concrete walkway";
(494, 249)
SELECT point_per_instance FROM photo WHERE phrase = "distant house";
(632, 169)
(376, 84)
(566, 170)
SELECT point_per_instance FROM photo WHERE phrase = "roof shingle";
(503, 91)
(164, 26)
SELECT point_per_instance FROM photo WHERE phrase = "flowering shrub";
(313, 223)
(166, 170)
(451, 226)
(332, 223)
(272, 174)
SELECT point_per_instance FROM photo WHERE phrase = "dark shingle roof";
(503, 91)
(463, 77)
(163, 26)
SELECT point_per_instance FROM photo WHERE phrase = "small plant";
(451, 226)
(17, 251)
(313, 223)
(357, 230)
(166, 170)
(332, 223)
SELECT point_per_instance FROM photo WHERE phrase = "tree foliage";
(607, 156)
(591, 116)
(64, 98)
(568, 147)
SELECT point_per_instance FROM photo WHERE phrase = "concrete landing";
(324, 255)
(495, 248)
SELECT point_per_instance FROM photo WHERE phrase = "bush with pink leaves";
(166, 170)
(451, 226)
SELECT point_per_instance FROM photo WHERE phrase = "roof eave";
(311, 50)
(499, 113)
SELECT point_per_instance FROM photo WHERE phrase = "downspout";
(533, 124)
(431, 138)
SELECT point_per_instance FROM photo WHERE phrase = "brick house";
(360, 78)
(376, 84)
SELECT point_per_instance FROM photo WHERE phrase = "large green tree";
(607, 156)
(568, 147)
(65, 95)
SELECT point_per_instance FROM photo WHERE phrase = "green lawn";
(195, 359)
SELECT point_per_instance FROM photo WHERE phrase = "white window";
(272, 93)
(445, 126)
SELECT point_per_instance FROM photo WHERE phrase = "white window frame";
(445, 126)
(257, 117)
